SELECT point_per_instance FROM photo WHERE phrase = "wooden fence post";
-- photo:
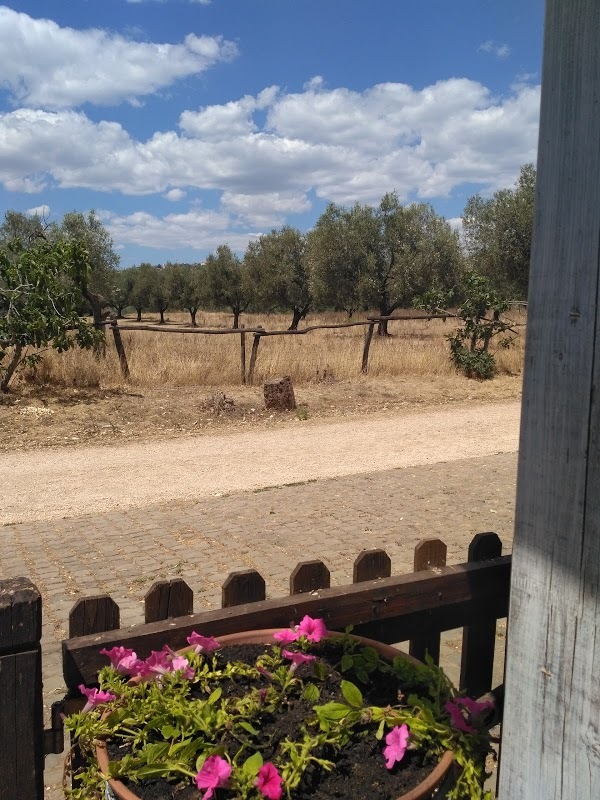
(368, 337)
(94, 615)
(166, 599)
(371, 564)
(245, 586)
(243, 354)
(479, 641)
(120, 349)
(21, 716)
(429, 554)
(309, 576)
(253, 355)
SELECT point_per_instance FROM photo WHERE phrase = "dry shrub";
(415, 348)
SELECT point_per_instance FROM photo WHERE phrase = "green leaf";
(346, 663)
(214, 696)
(352, 694)
(252, 764)
(248, 727)
(169, 732)
(311, 693)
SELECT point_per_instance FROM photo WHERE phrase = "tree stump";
(279, 394)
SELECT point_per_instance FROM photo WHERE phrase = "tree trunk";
(139, 314)
(236, 318)
(295, 319)
(10, 370)
(299, 314)
(161, 311)
(193, 316)
(382, 327)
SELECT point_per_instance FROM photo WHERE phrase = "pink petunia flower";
(269, 782)
(181, 664)
(297, 659)
(396, 742)
(214, 774)
(203, 644)
(465, 712)
(313, 629)
(159, 662)
(124, 660)
(95, 697)
(286, 636)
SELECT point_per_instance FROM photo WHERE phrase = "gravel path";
(55, 483)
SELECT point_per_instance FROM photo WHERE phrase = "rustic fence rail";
(414, 607)
(259, 332)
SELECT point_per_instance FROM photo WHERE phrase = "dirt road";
(55, 483)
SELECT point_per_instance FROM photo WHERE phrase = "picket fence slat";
(479, 641)
(94, 615)
(245, 586)
(166, 599)
(429, 554)
(370, 565)
(309, 576)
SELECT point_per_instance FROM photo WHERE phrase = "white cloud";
(265, 210)
(39, 211)
(345, 146)
(174, 195)
(46, 66)
(200, 229)
(494, 49)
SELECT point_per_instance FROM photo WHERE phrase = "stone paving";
(271, 530)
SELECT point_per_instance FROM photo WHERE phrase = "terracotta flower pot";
(424, 791)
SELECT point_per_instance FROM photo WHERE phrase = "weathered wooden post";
(21, 716)
(120, 349)
(254, 354)
(368, 337)
(243, 354)
(551, 732)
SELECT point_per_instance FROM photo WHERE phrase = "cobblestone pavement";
(271, 530)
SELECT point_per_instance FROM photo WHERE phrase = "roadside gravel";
(64, 482)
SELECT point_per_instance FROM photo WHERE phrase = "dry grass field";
(178, 380)
(416, 348)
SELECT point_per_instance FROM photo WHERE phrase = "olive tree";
(226, 282)
(277, 270)
(41, 289)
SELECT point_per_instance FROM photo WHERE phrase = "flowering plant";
(248, 722)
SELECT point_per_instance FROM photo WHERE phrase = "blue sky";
(191, 123)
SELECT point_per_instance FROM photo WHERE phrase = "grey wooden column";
(21, 719)
(551, 734)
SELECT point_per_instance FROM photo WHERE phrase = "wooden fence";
(414, 607)
(257, 334)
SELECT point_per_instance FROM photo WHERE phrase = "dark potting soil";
(360, 772)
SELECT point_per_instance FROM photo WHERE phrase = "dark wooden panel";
(457, 596)
(479, 641)
(20, 615)
(308, 576)
(245, 586)
(166, 599)
(429, 554)
(94, 615)
(371, 564)
(21, 718)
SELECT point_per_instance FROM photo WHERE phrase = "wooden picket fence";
(414, 607)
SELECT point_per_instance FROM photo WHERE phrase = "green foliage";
(104, 262)
(186, 285)
(40, 297)
(277, 270)
(227, 283)
(381, 257)
(498, 234)
(480, 310)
